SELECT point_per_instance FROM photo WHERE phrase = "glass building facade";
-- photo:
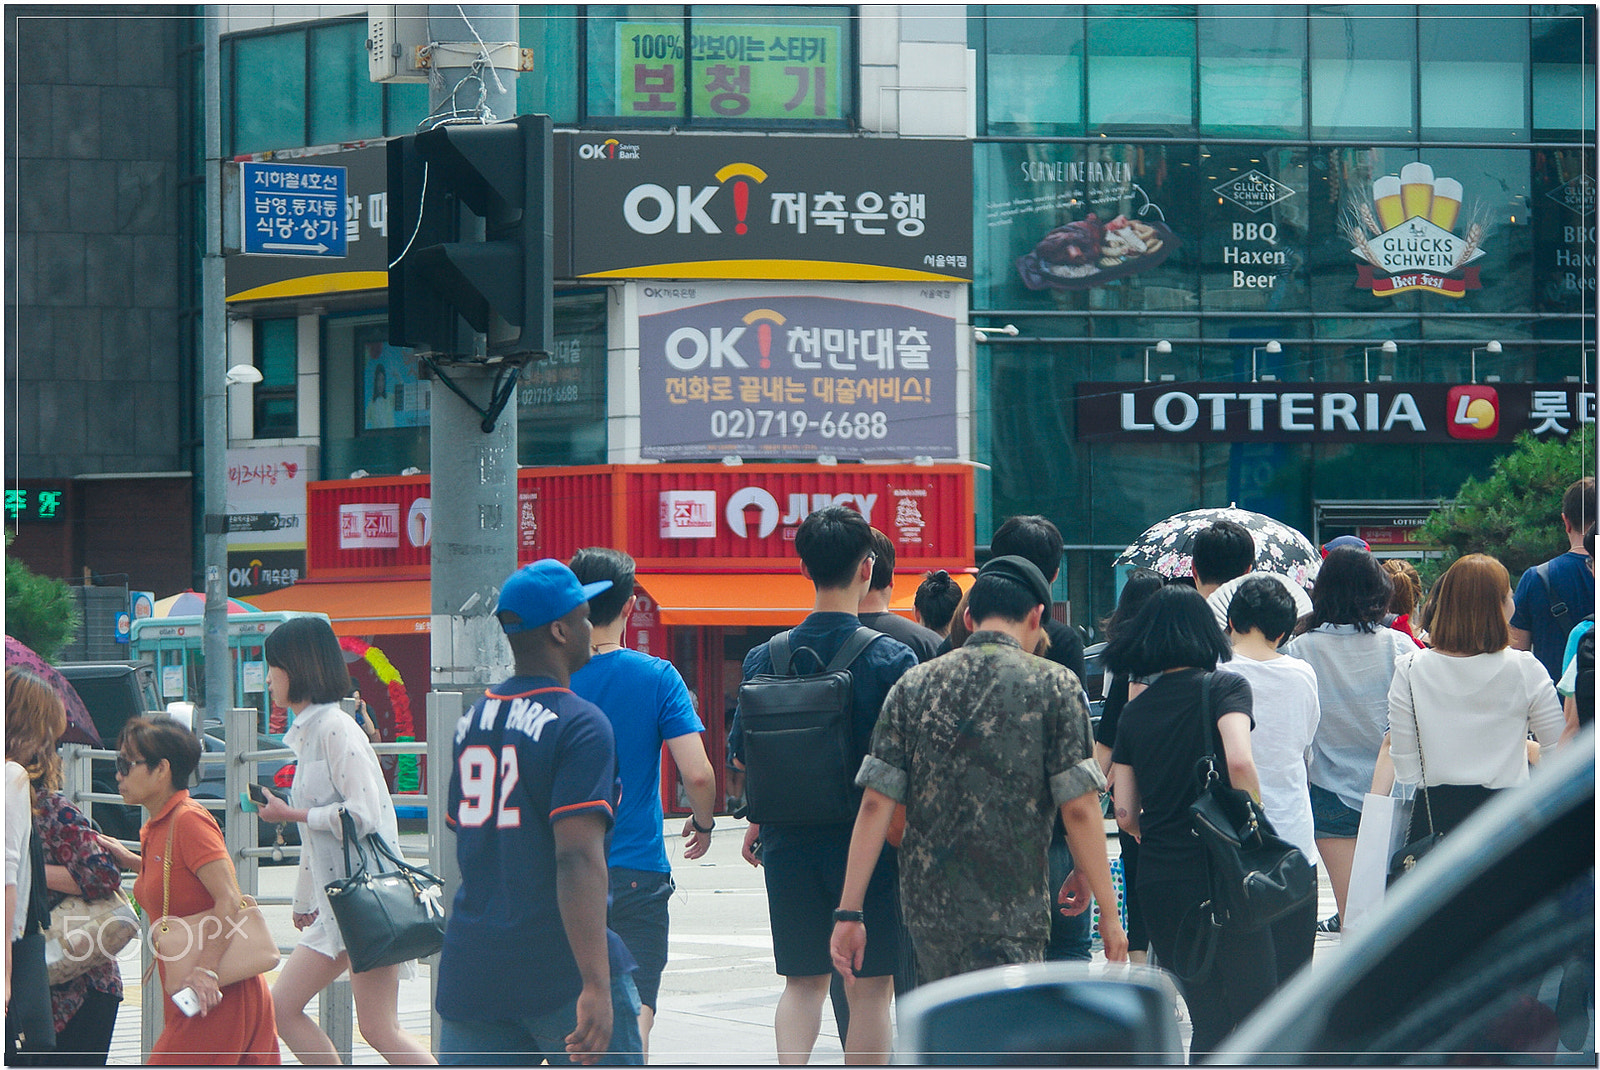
(1215, 177)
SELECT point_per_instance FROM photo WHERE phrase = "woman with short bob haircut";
(189, 871)
(1354, 657)
(1163, 733)
(337, 774)
(1472, 698)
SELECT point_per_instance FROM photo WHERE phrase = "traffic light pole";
(474, 472)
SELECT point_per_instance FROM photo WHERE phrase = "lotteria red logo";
(1473, 412)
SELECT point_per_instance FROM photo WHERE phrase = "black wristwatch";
(849, 915)
(701, 828)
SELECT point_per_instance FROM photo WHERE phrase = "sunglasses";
(125, 766)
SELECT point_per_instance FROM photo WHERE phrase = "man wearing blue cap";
(529, 971)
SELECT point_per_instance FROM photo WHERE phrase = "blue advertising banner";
(731, 368)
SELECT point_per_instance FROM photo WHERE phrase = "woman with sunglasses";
(337, 773)
(185, 870)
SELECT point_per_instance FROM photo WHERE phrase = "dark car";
(113, 692)
(1482, 955)
(211, 786)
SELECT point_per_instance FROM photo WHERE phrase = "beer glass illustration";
(1416, 190)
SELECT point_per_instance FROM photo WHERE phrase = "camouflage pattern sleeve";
(1070, 759)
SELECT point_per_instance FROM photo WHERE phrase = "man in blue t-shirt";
(529, 971)
(805, 864)
(1553, 597)
(647, 704)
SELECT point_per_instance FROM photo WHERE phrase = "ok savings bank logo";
(1406, 236)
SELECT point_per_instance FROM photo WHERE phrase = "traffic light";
(470, 238)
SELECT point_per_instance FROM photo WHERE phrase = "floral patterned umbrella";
(1167, 546)
(80, 726)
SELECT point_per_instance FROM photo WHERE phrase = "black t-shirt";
(924, 642)
(1105, 733)
(1160, 736)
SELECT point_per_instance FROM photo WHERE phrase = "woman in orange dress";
(235, 1024)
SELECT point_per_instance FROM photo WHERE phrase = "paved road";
(717, 996)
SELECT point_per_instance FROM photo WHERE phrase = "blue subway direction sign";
(293, 209)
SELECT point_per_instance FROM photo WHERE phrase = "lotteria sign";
(1329, 412)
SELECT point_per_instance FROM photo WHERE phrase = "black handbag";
(1405, 860)
(1256, 876)
(30, 1025)
(388, 910)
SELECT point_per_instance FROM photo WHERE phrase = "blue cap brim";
(592, 589)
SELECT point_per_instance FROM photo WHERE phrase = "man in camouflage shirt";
(982, 745)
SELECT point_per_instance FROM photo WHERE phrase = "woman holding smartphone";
(184, 869)
(337, 773)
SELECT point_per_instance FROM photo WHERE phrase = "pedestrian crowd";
(924, 799)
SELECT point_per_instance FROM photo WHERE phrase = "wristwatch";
(849, 915)
(702, 828)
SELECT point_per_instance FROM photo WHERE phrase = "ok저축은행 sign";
(293, 209)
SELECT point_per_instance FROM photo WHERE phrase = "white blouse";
(1474, 714)
(337, 770)
(19, 826)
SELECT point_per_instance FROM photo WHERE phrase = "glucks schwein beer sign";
(813, 208)
(1330, 412)
(1406, 235)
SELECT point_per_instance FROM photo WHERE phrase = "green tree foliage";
(40, 612)
(1515, 513)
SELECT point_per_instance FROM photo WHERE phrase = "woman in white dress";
(337, 772)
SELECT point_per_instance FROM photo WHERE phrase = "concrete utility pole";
(213, 359)
(474, 473)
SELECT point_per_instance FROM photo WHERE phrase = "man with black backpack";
(807, 708)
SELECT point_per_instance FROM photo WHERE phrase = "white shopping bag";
(1384, 820)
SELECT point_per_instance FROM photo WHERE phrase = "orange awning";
(731, 598)
(387, 607)
(752, 598)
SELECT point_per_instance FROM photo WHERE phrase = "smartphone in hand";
(253, 797)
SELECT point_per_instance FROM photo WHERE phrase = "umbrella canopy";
(80, 726)
(1167, 546)
(1222, 597)
(193, 604)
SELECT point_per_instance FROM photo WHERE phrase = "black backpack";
(800, 754)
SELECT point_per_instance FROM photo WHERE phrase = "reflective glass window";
(1563, 72)
(1474, 72)
(551, 88)
(268, 91)
(1034, 69)
(1363, 64)
(1253, 71)
(345, 104)
(406, 105)
(1141, 69)
(277, 359)
(1562, 212)
(1254, 228)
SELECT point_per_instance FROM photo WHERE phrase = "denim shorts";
(1330, 817)
(529, 1041)
(638, 914)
